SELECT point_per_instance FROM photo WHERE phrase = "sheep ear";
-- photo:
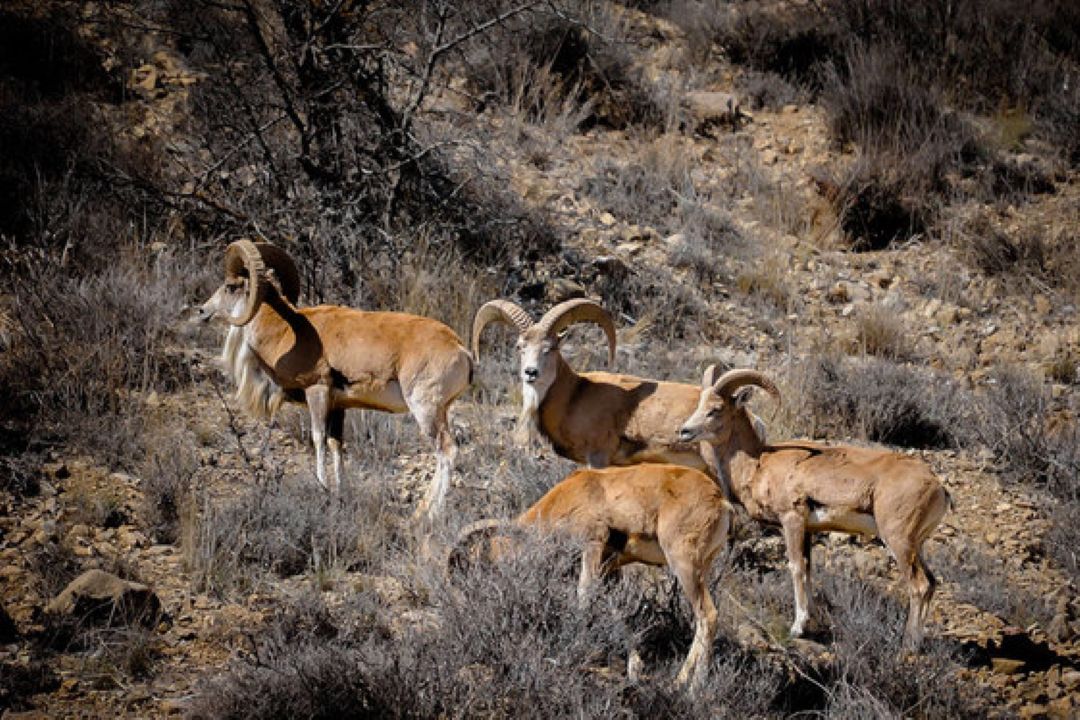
(710, 376)
(742, 397)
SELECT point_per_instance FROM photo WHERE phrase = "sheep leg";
(318, 402)
(592, 566)
(435, 424)
(336, 433)
(920, 584)
(794, 527)
(691, 577)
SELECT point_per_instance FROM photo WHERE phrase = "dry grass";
(768, 281)
(880, 331)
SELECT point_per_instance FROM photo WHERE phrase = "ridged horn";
(242, 259)
(579, 310)
(497, 311)
(726, 385)
(284, 268)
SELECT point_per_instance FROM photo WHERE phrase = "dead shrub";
(997, 253)
(166, 486)
(880, 401)
(871, 677)
(876, 209)
(706, 239)
(978, 576)
(285, 526)
(585, 45)
(1014, 424)
(768, 90)
(649, 189)
(767, 281)
(21, 681)
(20, 475)
(84, 345)
(502, 640)
(880, 331)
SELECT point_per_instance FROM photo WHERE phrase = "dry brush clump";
(871, 680)
(283, 526)
(503, 640)
(86, 345)
(903, 82)
(1036, 445)
(881, 401)
(570, 58)
(979, 576)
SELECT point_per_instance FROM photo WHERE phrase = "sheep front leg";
(318, 402)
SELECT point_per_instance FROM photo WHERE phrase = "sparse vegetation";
(429, 155)
(880, 331)
(880, 401)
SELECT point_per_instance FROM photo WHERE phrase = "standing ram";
(332, 358)
(807, 487)
(596, 418)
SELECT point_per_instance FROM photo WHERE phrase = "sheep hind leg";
(336, 433)
(692, 579)
(592, 568)
(921, 584)
(795, 542)
(435, 424)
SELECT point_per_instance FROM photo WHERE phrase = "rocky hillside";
(777, 185)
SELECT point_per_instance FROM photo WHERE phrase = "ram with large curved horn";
(809, 487)
(598, 418)
(332, 358)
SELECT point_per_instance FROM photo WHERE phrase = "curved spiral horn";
(284, 268)
(726, 385)
(579, 310)
(242, 259)
(497, 311)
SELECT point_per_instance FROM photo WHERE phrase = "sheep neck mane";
(256, 391)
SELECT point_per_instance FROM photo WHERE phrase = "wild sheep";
(654, 514)
(597, 418)
(332, 358)
(808, 487)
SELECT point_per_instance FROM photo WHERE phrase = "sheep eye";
(715, 412)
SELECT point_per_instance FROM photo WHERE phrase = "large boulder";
(98, 596)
